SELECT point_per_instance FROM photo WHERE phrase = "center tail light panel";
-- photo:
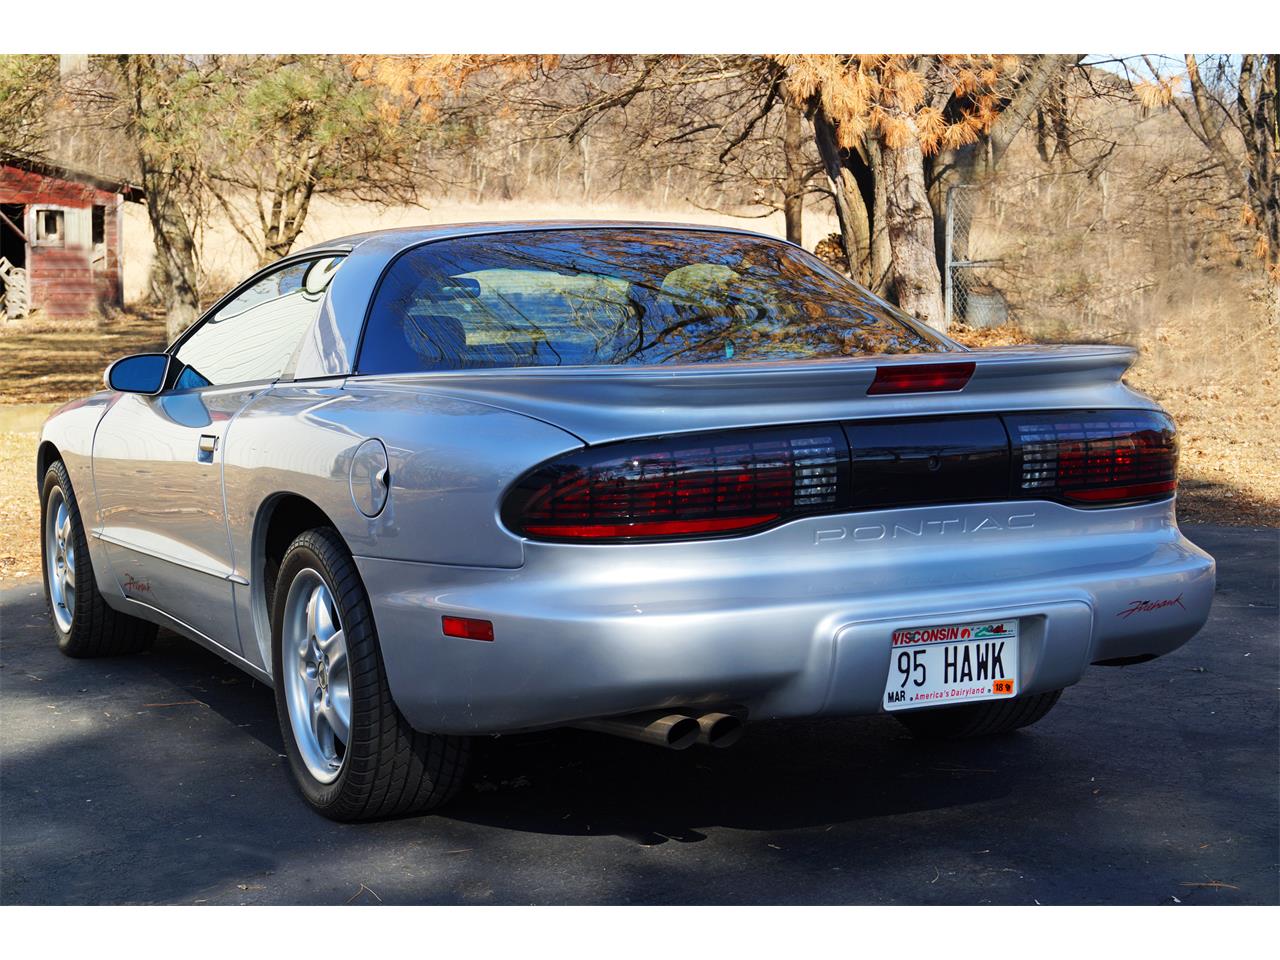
(735, 482)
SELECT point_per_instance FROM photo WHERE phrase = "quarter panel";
(450, 461)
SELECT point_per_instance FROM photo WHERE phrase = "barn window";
(51, 227)
(99, 224)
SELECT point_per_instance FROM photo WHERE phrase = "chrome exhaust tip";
(719, 729)
(675, 731)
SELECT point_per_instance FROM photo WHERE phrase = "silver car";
(659, 481)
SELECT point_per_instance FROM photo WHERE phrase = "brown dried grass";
(19, 507)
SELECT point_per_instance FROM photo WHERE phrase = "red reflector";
(1133, 491)
(466, 628)
(921, 378)
(660, 528)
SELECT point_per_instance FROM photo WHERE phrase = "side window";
(253, 336)
(51, 228)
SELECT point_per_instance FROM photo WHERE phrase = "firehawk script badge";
(1147, 606)
(922, 529)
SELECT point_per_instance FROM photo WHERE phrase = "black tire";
(986, 719)
(388, 768)
(95, 630)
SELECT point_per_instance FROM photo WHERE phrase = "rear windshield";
(621, 296)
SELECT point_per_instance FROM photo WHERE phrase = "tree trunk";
(175, 252)
(1258, 103)
(851, 207)
(793, 185)
(881, 263)
(146, 80)
(914, 278)
(1044, 72)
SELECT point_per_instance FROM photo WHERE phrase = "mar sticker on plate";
(952, 663)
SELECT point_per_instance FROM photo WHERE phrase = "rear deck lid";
(600, 404)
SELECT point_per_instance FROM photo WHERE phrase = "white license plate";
(952, 663)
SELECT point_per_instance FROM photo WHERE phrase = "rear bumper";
(792, 622)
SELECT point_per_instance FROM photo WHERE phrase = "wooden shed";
(60, 238)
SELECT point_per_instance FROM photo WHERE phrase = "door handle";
(208, 444)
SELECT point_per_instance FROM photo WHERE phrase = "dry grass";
(51, 361)
(19, 507)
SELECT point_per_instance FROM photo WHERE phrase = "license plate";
(953, 663)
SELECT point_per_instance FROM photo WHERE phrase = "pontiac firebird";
(657, 481)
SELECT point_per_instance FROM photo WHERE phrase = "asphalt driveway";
(159, 778)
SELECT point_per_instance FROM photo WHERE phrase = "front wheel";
(83, 623)
(352, 753)
(986, 719)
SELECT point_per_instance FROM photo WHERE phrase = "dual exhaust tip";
(675, 731)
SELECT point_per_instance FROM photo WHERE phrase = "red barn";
(60, 238)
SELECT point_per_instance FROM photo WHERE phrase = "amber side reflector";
(921, 378)
(466, 628)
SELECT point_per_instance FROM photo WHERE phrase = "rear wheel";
(352, 753)
(83, 623)
(989, 718)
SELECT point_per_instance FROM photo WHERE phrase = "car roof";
(412, 236)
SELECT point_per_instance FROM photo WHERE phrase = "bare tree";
(1241, 135)
(880, 122)
(718, 125)
(165, 105)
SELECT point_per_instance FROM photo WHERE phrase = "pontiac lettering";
(921, 529)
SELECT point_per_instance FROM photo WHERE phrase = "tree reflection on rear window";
(621, 296)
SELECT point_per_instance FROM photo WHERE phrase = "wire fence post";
(969, 291)
(948, 283)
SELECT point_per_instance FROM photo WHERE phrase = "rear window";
(621, 296)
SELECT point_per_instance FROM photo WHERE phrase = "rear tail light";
(694, 485)
(1099, 457)
(730, 483)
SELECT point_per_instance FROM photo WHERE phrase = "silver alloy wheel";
(60, 559)
(317, 675)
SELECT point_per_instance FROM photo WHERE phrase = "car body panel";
(600, 404)
(160, 503)
(441, 504)
(795, 621)
(792, 621)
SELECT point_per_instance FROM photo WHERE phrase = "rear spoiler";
(599, 404)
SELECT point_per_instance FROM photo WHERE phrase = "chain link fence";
(971, 292)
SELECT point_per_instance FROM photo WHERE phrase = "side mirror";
(140, 373)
